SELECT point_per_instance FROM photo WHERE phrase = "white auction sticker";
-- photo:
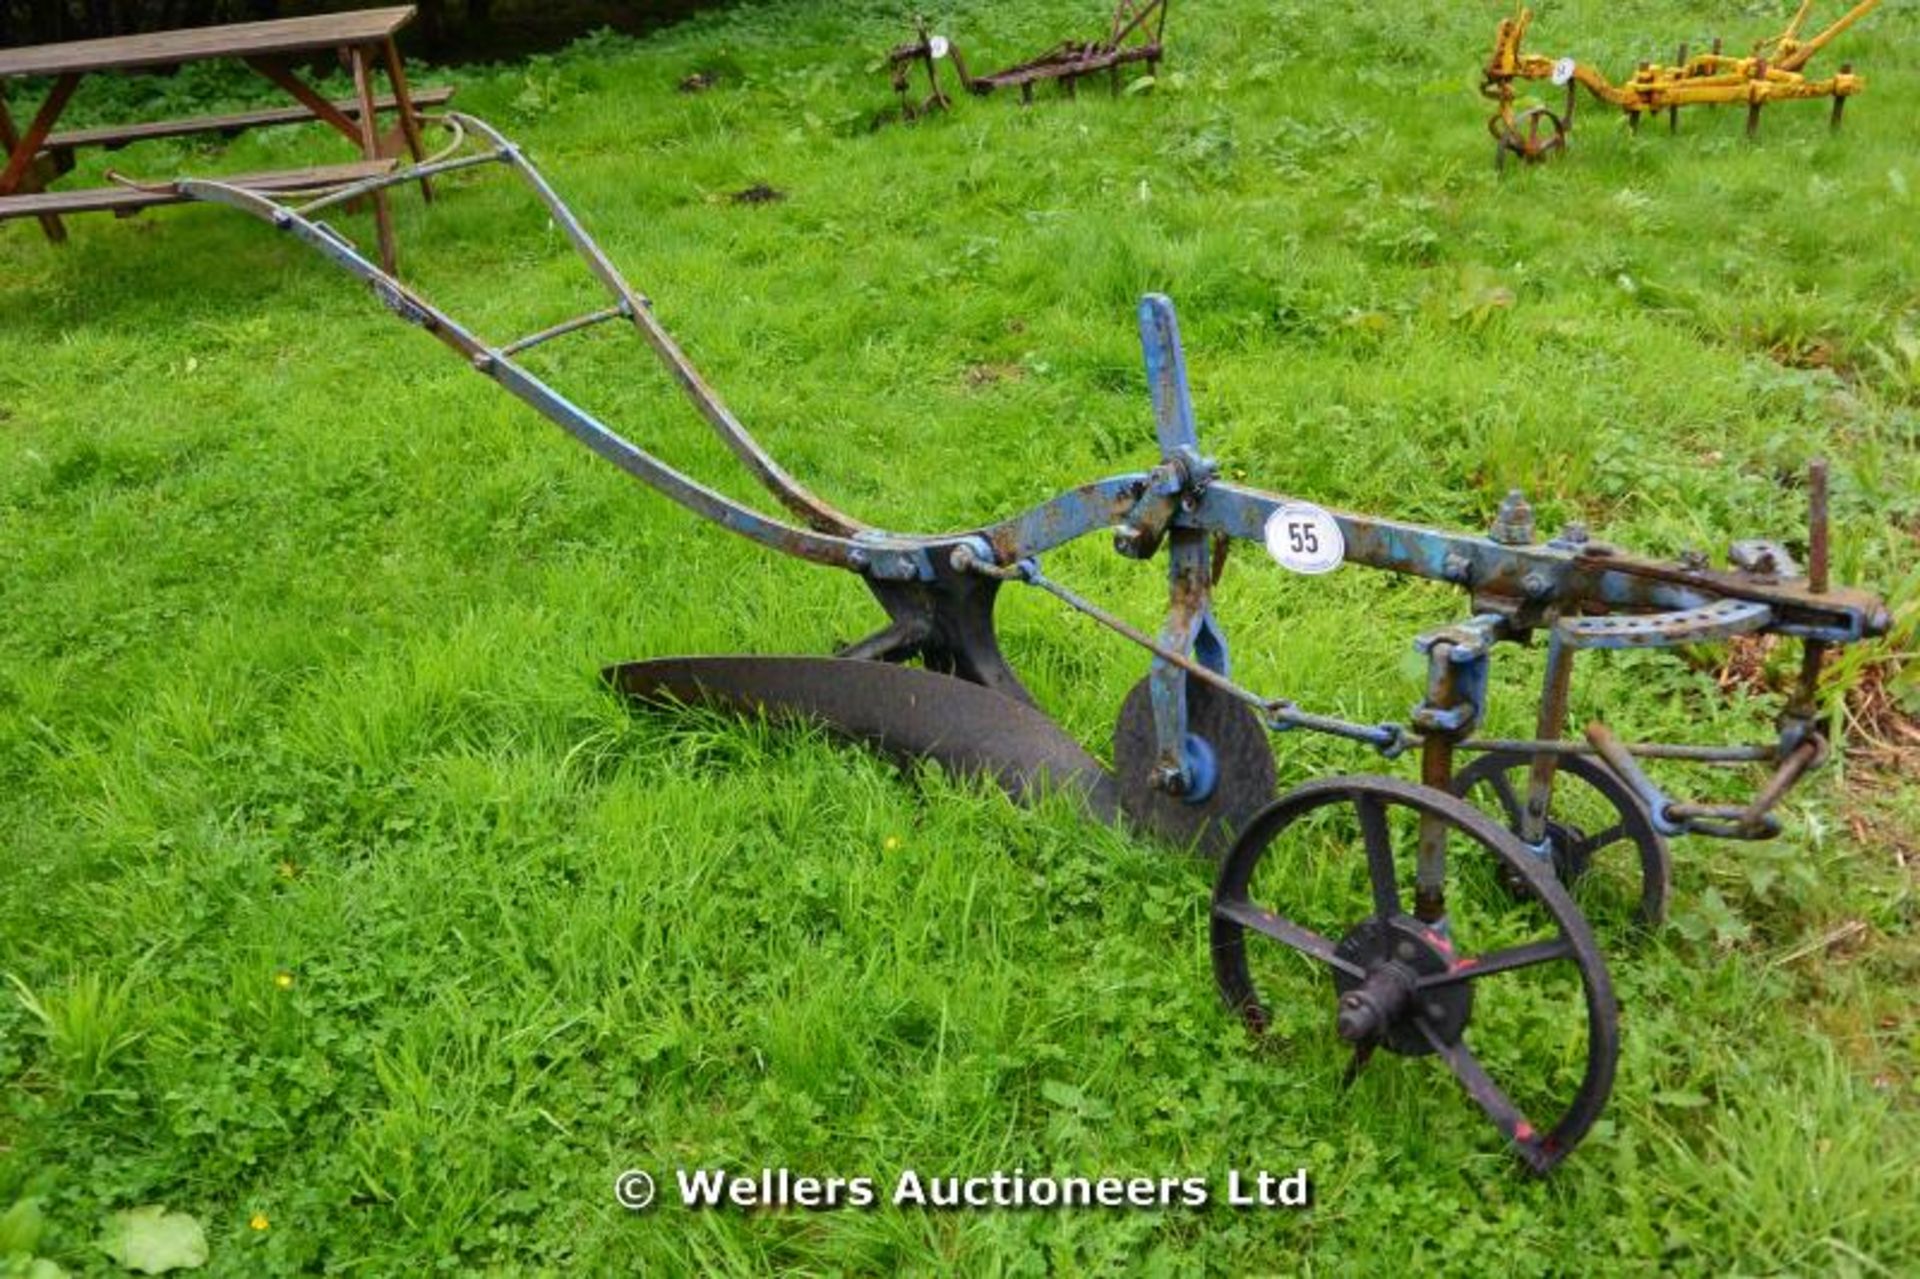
(1563, 71)
(938, 46)
(1305, 538)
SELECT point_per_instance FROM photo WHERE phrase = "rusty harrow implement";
(1774, 72)
(1430, 897)
(1134, 34)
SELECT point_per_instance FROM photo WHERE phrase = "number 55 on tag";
(1305, 538)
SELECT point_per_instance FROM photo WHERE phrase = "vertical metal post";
(1550, 727)
(1813, 652)
(1189, 628)
(1430, 873)
(1673, 112)
(1436, 770)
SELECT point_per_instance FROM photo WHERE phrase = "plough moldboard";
(1499, 835)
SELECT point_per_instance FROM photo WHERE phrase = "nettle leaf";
(154, 1241)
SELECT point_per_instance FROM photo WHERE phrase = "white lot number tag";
(1305, 538)
(1563, 71)
(937, 46)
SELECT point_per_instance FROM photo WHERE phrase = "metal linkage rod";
(415, 173)
(1643, 750)
(565, 327)
(1278, 714)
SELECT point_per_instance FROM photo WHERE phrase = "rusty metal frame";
(939, 589)
(1583, 594)
(1136, 32)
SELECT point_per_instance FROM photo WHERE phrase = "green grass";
(336, 888)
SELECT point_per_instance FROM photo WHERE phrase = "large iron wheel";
(1592, 811)
(1498, 963)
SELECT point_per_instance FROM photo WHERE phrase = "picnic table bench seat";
(124, 201)
(112, 137)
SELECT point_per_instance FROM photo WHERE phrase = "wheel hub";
(1381, 1008)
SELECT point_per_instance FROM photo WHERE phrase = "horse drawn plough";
(1454, 887)
(1135, 32)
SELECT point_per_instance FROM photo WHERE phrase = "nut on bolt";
(1513, 525)
(1572, 537)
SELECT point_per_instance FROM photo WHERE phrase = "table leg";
(306, 96)
(22, 148)
(370, 143)
(409, 120)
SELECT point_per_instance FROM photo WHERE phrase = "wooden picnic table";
(363, 39)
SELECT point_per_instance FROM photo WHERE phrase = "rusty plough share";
(1134, 34)
(1772, 73)
(1192, 760)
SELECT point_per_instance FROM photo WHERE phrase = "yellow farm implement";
(1773, 72)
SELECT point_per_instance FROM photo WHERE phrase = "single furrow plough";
(1774, 72)
(1135, 33)
(1419, 903)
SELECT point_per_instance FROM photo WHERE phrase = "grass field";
(342, 908)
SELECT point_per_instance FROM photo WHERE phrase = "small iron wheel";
(1592, 811)
(1532, 134)
(1517, 972)
(1223, 732)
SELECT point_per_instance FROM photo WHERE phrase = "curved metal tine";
(1499, 961)
(818, 514)
(1489, 1097)
(1379, 841)
(1287, 933)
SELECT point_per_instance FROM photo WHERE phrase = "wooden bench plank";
(114, 136)
(240, 39)
(123, 200)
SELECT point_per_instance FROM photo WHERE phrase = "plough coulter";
(1446, 916)
(1774, 72)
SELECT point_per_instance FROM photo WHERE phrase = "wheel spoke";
(1500, 961)
(1286, 932)
(1373, 826)
(1489, 1097)
(1503, 791)
(1611, 835)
